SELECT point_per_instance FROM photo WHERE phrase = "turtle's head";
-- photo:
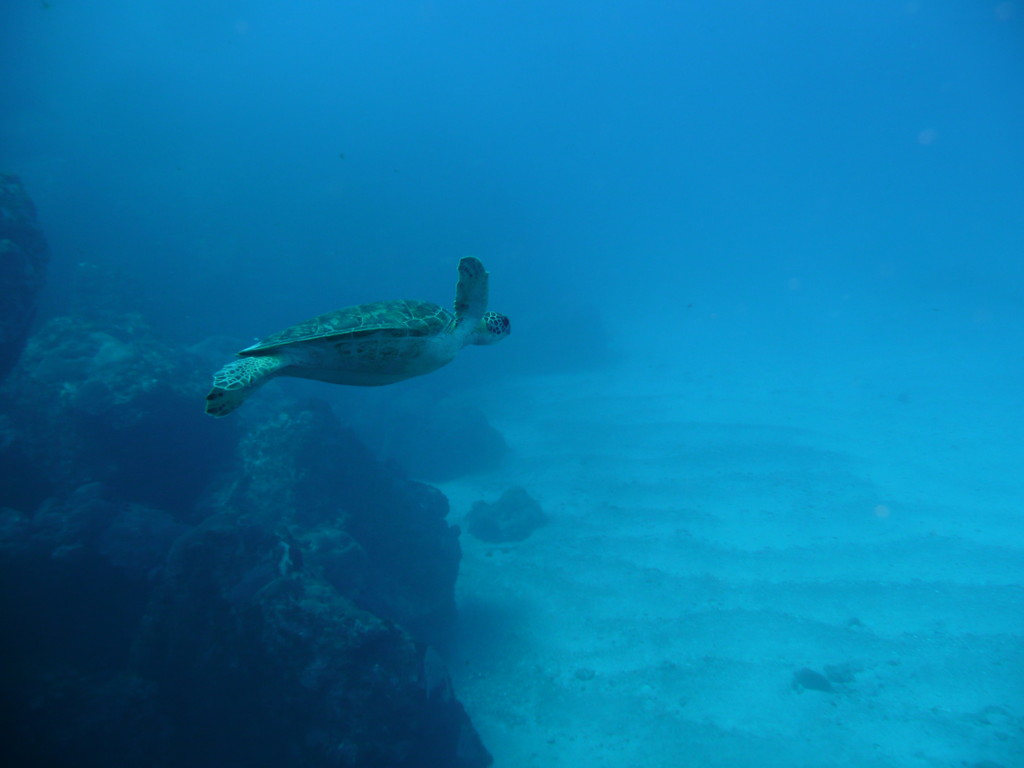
(492, 328)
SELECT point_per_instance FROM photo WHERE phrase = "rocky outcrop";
(76, 576)
(513, 517)
(179, 591)
(258, 654)
(23, 259)
(379, 540)
(107, 401)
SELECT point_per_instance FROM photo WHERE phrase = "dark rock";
(111, 403)
(90, 720)
(24, 256)
(808, 680)
(380, 540)
(89, 528)
(264, 663)
(182, 592)
(844, 673)
(76, 577)
(513, 517)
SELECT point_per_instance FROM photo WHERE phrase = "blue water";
(805, 215)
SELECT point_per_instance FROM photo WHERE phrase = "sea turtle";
(366, 345)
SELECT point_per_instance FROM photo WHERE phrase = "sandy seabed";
(709, 540)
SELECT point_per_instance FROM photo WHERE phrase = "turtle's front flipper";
(471, 292)
(237, 380)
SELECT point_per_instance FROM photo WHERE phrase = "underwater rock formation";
(380, 540)
(23, 259)
(106, 401)
(512, 517)
(183, 592)
(75, 580)
(805, 679)
(261, 656)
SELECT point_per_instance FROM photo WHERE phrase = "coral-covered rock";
(106, 401)
(512, 517)
(76, 574)
(179, 591)
(264, 663)
(90, 528)
(76, 577)
(24, 256)
(382, 541)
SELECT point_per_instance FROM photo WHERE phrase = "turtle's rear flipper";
(221, 402)
(237, 380)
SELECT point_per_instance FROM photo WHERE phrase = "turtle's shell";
(405, 317)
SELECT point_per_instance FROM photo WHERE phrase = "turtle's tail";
(237, 380)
